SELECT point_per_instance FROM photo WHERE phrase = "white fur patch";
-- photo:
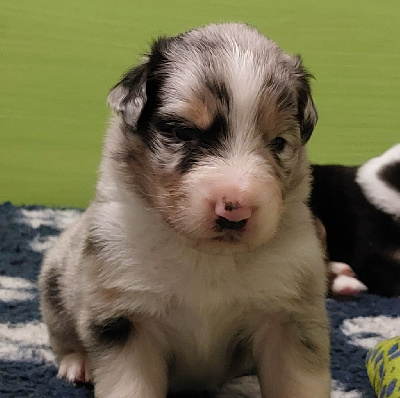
(377, 191)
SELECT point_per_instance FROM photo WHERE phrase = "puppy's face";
(211, 132)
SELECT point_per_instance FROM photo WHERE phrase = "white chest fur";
(205, 307)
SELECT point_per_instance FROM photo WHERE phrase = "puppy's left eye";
(187, 134)
(277, 144)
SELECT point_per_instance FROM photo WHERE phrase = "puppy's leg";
(127, 366)
(64, 340)
(293, 358)
(73, 364)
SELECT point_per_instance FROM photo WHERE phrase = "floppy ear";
(128, 97)
(307, 114)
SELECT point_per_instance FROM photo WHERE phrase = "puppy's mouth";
(225, 237)
(229, 231)
(225, 225)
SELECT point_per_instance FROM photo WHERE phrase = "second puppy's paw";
(343, 285)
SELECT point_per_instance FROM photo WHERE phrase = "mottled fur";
(156, 295)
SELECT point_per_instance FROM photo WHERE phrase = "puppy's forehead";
(222, 68)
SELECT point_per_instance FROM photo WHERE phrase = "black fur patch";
(53, 291)
(284, 99)
(194, 143)
(306, 124)
(337, 211)
(390, 174)
(309, 344)
(156, 62)
(304, 95)
(89, 247)
(113, 331)
(357, 232)
(220, 91)
(213, 136)
(92, 247)
(210, 142)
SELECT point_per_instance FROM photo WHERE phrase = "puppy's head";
(210, 130)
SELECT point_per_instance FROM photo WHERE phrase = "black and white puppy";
(360, 209)
(197, 261)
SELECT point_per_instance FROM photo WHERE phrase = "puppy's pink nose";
(232, 211)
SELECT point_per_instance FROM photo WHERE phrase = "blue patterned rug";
(27, 365)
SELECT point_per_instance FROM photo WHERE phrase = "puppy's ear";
(307, 114)
(128, 97)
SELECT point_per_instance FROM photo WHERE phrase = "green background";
(58, 60)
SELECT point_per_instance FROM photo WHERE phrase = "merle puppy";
(197, 260)
(360, 209)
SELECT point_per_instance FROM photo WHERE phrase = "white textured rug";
(27, 366)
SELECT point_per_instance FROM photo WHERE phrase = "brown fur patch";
(109, 295)
(275, 114)
(130, 160)
(198, 112)
(156, 183)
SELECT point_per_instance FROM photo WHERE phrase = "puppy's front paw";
(74, 367)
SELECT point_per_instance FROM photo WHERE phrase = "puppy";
(197, 261)
(360, 209)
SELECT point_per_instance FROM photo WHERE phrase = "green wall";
(59, 58)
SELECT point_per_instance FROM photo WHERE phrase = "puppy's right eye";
(187, 134)
(277, 144)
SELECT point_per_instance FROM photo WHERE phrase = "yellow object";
(383, 368)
